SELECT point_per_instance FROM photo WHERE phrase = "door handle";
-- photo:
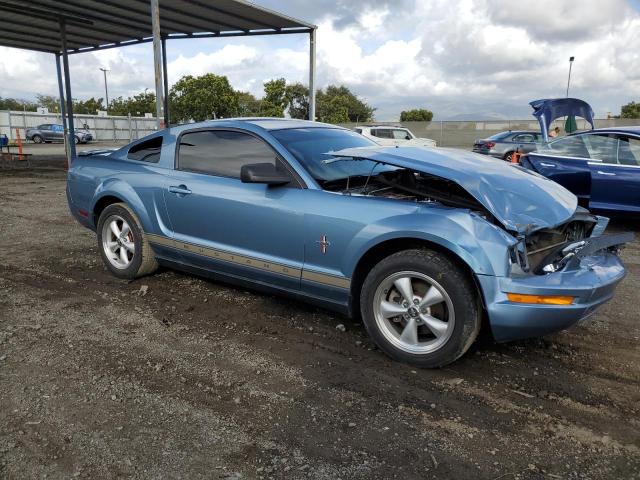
(608, 174)
(552, 165)
(180, 190)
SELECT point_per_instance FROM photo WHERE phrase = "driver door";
(247, 230)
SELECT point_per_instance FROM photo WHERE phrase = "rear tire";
(508, 157)
(420, 308)
(123, 246)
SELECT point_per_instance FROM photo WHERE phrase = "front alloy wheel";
(414, 312)
(421, 307)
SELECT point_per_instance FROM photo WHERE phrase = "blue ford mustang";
(423, 244)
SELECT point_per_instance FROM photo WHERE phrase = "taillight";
(490, 144)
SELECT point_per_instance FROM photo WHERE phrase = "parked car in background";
(52, 132)
(601, 167)
(504, 144)
(423, 244)
(392, 136)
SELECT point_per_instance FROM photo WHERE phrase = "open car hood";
(520, 199)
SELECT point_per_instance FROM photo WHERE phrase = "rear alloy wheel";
(37, 139)
(123, 245)
(76, 140)
(420, 308)
(508, 157)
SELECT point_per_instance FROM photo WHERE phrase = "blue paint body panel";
(270, 237)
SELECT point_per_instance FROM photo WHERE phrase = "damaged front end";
(553, 249)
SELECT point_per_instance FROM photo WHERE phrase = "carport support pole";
(63, 109)
(312, 75)
(165, 79)
(157, 60)
(71, 135)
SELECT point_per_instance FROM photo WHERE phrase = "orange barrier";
(515, 157)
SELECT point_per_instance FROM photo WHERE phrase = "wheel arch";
(109, 193)
(388, 247)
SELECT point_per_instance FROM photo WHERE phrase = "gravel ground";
(179, 377)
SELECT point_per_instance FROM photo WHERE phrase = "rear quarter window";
(147, 151)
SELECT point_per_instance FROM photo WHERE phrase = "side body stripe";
(225, 256)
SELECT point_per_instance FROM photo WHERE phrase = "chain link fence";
(462, 134)
(458, 134)
(104, 128)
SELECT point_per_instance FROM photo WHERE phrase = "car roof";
(266, 123)
(630, 129)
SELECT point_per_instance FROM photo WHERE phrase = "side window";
(602, 147)
(58, 128)
(44, 127)
(400, 134)
(384, 133)
(629, 151)
(357, 130)
(524, 138)
(568, 147)
(147, 151)
(221, 152)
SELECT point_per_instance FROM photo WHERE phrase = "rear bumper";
(484, 151)
(592, 284)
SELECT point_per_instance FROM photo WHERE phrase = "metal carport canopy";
(76, 26)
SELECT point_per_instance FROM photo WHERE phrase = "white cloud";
(453, 56)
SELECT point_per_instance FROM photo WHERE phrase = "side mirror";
(407, 137)
(265, 173)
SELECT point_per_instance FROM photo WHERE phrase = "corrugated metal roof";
(100, 24)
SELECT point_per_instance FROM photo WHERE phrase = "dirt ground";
(174, 376)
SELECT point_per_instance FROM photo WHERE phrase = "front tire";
(420, 308)
(123, 246)
(37, 139)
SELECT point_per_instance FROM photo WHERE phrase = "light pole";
(571, 59)
(106, 90)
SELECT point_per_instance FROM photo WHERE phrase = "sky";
(462, 59)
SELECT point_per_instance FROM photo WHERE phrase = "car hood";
(521, 200)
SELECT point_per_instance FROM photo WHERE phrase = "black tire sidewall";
(131, 271)
(452, 279)
(39, 139)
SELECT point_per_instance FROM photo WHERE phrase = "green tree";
(204, 97)
(416, 115)
(17, 104)
(630, 110)
(136, 106)
(274, 101)
(89, 106)
(337, 104)
(248, 105)
(297, 101)
(48, 101)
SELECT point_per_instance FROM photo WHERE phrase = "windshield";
(311, 146)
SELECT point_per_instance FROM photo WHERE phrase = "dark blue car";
(601, 167)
